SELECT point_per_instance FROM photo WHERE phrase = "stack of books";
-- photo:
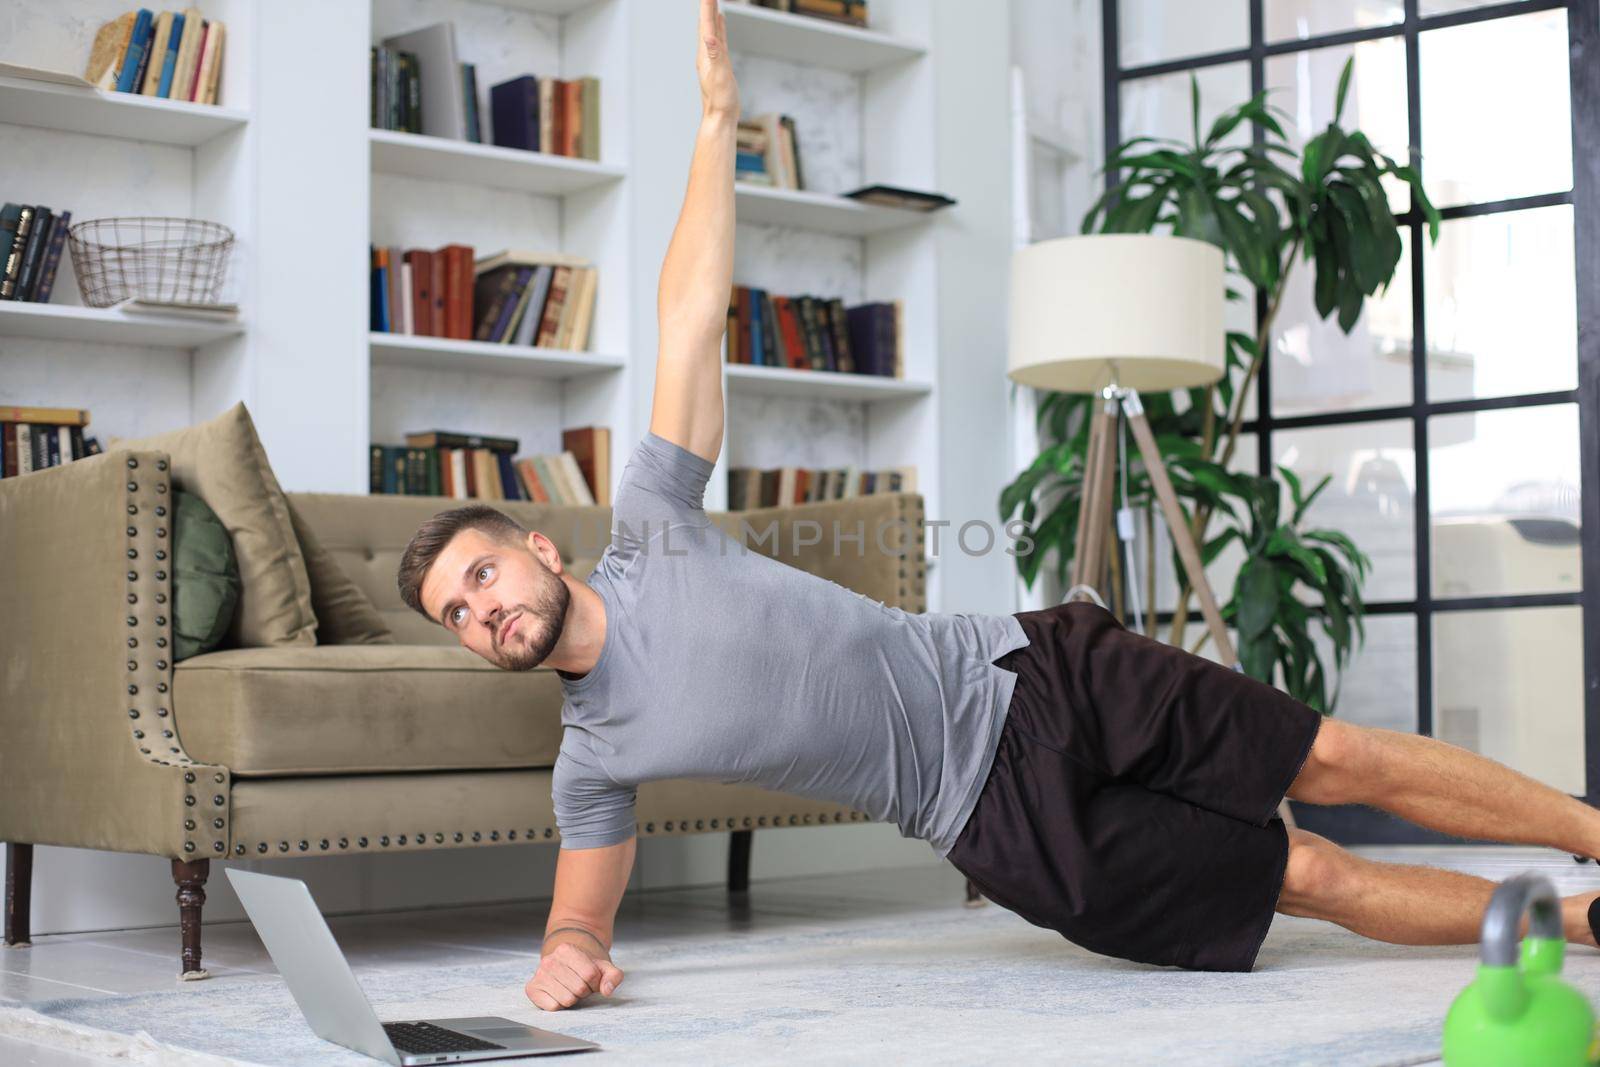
(814, 333)
(544, 299)
(427, 294)
(174, 56)
(850, 12)
(31, 239)
(32, 439)
(552, 115)
(476, 467)
(768, 152)
(752, 487)
(396, 93)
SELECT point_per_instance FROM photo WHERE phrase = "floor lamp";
(1109, 315)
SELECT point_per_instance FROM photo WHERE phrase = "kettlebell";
(1521, 1015)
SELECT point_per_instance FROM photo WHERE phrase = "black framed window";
(1458, 419)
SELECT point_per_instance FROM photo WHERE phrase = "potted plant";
(1269, 208)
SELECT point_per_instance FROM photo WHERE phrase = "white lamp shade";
(1143, 311)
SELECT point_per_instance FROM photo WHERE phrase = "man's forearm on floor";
(582, 935)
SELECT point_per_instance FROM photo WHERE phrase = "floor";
(97, 964)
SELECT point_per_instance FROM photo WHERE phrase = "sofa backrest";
(367, 534)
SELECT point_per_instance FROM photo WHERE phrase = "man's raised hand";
(719, 93)
(567, 974)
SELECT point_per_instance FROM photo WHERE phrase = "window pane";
(1318, 367)
(1503, 487)
(1160, 106)
(1509, 684)
(1496, 111)
(1299, 19)
(1501, 305)
(1153, 31)
(1306, 86)
(1379, 685)
(1370, 497)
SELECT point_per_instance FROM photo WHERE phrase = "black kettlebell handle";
(1503, 920)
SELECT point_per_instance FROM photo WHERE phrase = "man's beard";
(542, 623)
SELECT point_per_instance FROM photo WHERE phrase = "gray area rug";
(946, 985)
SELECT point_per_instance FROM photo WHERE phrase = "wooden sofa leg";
(19, 883)
(191, 881)
(739, 861)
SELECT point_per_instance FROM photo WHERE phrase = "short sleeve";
(592, 811)
(664, 484)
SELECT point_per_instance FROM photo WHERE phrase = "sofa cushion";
(366, 536)
(223, 463)
(355, 709)
(205, 578)
(344, 614)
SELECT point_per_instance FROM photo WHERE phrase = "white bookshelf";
(748, 380)
(824, 212)
(801, 39)
(482, 357)
(24, 102)
(108, 326)
(438, 159)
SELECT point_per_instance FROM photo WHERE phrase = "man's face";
(501, 599)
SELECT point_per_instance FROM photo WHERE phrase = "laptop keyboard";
(425, 1037)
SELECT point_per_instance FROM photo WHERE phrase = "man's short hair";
(432, 537)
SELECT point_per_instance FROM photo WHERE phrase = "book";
(574, 479)
(452, 439)
(421, 264)
(193, 88)
(469, 96)
(138, 43)
(532, 315)
(33, 255)
(552, 480)
(169, 62)
(589, 118)
(210, 75)
(514, 113)
(105, 54)
(554, 303)
(520, 311)
(896, 197)
(443, 107)
(408, 322)
(495, 295)
(19, 245)
(839, 321)
(547, 114)
(530, 482)
(45, 416)
(10, 221)
(577, 335)
(458, 285)
(518, 258)
(392, 279)
(162, 33)
(458, 473)
(188, 61)
(590, 448)
(510, 484)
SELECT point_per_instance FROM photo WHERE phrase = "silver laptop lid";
(296, 935)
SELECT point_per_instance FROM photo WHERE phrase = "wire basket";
(151, 258)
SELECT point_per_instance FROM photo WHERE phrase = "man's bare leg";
(1400, 904)
(1442, 787)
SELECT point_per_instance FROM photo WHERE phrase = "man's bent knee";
(1312, 876)
(1340, 768)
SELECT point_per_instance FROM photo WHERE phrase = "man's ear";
(545, 550)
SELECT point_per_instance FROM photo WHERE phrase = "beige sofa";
(310, 750)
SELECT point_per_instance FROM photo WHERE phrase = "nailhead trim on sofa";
(148, 506)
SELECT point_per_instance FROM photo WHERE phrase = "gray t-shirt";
(722, 664)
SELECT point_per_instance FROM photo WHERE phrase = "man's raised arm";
(697, 274)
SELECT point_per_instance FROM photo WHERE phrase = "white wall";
(79, 890)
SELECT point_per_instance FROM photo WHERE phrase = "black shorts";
(1131, 803)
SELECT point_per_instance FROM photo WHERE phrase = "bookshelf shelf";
(748, 379)
(804, 39)
(438, 159)
(819, 211)
(548, 7)
(24, 102)
(70, 322)
(442, 353)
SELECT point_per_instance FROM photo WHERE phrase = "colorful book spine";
(138, 43)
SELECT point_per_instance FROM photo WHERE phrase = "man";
(1096, 782)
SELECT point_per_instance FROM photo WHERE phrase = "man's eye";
(483, 572)
(455, 616)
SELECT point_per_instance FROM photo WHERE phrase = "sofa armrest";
(89, 756)
(869, 544)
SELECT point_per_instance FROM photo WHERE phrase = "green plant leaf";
(1258, 597)
(1344, 88)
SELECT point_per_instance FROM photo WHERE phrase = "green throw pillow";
(205, 578)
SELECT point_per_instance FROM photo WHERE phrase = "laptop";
(300, 943)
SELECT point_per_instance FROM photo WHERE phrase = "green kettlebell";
(1521, 1016)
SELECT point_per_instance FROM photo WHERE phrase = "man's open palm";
(718, 91)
